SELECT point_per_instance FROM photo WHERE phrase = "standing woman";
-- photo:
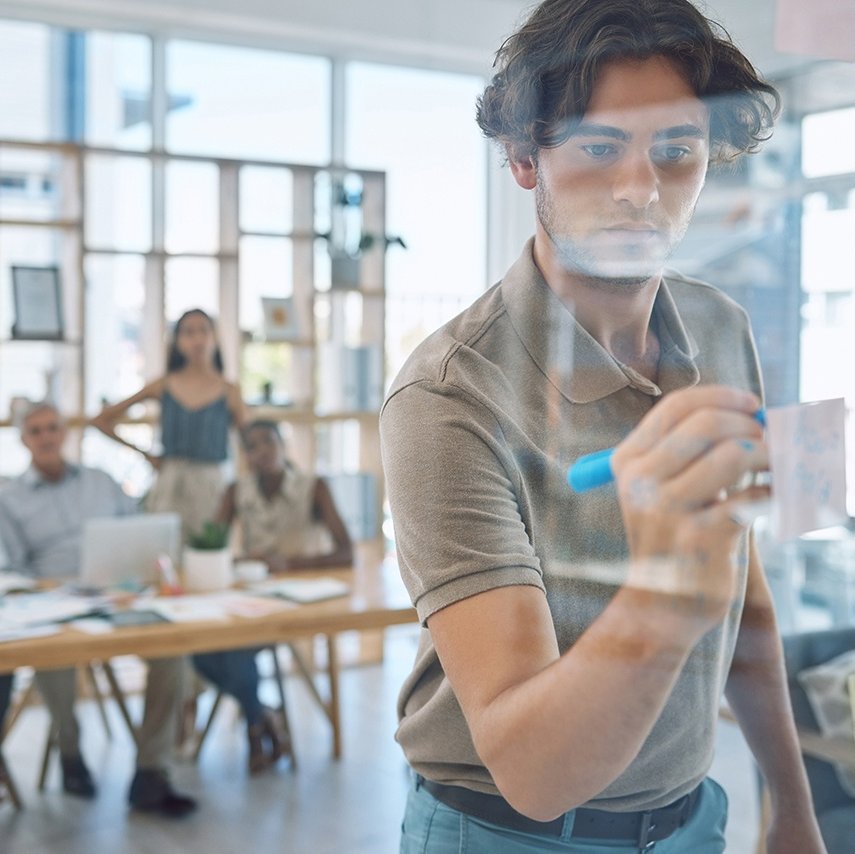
(197, 408)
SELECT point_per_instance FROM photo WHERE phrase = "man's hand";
(679, 476)
(793, 833)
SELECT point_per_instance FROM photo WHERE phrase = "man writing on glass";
(549, 709)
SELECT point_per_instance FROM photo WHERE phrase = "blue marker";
(595, 469)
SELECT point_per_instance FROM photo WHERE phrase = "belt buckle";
(647, 827)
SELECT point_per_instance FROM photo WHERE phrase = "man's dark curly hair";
(548, 68)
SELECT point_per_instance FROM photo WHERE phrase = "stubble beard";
(588, 267)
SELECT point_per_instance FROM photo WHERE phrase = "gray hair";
(23, 409)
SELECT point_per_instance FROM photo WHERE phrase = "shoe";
(76, 779)
(268, 741)
(151, 791)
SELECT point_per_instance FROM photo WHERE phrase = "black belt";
(644, 828)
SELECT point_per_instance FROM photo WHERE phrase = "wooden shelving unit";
(326, 204)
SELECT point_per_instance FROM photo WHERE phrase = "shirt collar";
(571, 359)
(33, 477)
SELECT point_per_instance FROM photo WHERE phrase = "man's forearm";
(757, 693)
(561, 737)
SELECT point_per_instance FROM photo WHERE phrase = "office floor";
(352, 806)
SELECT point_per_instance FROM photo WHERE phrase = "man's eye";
(598, 150)
(672, 153)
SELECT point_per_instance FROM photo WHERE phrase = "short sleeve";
(453, 488)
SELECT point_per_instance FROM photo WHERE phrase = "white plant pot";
(207, 569)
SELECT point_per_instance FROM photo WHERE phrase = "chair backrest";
(800, 652)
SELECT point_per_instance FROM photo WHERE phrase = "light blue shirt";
(41, 521)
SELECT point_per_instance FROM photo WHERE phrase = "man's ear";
(523, 168)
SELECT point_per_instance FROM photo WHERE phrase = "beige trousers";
(156, 736)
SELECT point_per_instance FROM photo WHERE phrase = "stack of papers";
(34, 614)
(209, 606)
(303, 590)
(15, 581)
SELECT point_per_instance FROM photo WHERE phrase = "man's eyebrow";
(679, 131)
(611, 132)
(591, 129)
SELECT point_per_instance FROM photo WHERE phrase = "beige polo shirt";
(478, 432)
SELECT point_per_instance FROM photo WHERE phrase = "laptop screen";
(121, 549)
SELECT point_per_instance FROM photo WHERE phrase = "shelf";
(64, 341)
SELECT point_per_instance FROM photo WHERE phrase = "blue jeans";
(431, 827)
(5, 693)
(234, 672)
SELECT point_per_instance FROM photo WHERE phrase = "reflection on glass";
(266, 270)
(247, 103)
(118, 90)
(266, 200)
(115, 300)
(25, 110)
(192, 207)
(191, 283)
(118, 203)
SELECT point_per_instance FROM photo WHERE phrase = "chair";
(277, 674)
(835, 809)
(51, 742)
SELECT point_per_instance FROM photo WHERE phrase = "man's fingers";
(676, 407)
(719, 437)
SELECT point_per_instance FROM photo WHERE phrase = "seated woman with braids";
(289, 520)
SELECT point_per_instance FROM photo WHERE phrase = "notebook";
(303, 590)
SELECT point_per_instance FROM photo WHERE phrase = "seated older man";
(42, 513)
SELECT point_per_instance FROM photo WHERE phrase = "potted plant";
(207, 560)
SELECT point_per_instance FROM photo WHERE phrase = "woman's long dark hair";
(175, 361)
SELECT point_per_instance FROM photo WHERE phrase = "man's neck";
(617, 317)
(52, 472)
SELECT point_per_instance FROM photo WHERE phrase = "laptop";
(121, 549)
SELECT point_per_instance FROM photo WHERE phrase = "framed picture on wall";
(38, 303)
(280, 319)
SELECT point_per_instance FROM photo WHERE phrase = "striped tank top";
(194, 434)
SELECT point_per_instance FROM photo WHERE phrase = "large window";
(248, 104)
(828, 267)
(149, 214)
(419, 126)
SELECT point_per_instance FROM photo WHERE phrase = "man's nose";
(636, 181)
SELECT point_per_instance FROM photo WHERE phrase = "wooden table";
(377, 600)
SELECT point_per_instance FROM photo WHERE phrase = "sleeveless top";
(199, 434)
(283, 524)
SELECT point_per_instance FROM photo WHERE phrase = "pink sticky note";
(808, 465)
(824, 29)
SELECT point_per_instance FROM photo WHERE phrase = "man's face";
(615, 199)
(43, 435)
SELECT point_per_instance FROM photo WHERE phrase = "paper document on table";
(210, 606)
(184, 609)
(15, 581)
(303, 590)
(31, 609)
(808, 465)
(14, 633)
